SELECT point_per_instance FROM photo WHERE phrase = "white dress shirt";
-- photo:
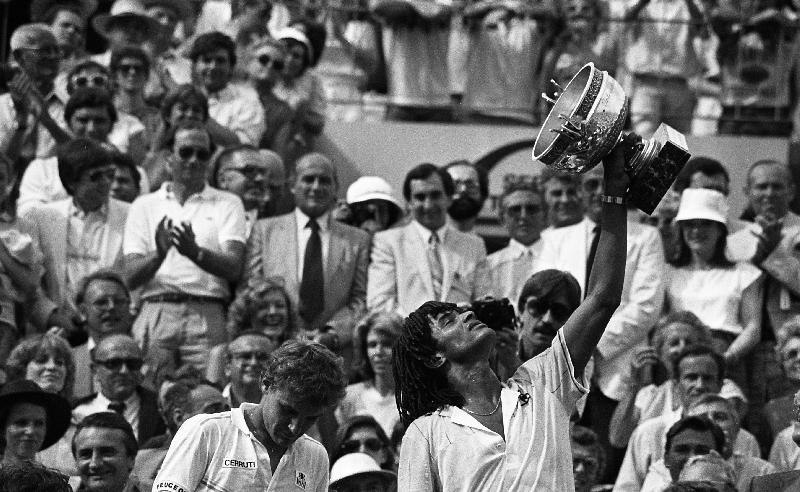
(238, 108)
(510, 268)
(100, 404)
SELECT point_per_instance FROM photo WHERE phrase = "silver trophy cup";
(586, 122)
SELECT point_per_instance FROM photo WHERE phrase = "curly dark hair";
(307, 370)
(392, 330)
(32, 477)
(421, 389)
(186, 94)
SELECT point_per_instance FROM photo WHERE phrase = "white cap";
(358, 465)
(702, 203)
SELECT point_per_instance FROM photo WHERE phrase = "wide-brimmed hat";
(57, 408)
(371, 188)
(39, 8)
(358, 465)
(702, 203)
(130, 9)
(182, 7)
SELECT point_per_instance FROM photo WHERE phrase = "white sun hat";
(702, 203)
(358, 465)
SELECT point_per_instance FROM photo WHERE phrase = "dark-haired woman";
(725, 296)
(363, 434)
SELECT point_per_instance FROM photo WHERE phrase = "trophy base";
(654, 166)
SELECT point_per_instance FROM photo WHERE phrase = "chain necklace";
(484, 414)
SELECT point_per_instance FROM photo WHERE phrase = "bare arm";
(750, 313)
(584, 328)
(141, 268)
(226, 264)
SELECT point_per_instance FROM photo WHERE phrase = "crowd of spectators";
(178, 281)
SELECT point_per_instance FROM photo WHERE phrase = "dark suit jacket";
(776, 482)
(150, 421)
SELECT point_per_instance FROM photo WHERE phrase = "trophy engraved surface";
(586, 122)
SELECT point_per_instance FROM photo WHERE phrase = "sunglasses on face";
(186, 153)
(516, 210)
(101, 174)
(127, 68)
(44, 51)
(266, 60)
(246, 356)
(116, 364)
(96, 81)
(354, 445)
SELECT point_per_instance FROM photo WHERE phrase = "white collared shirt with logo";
(449, 450)
(218, 453)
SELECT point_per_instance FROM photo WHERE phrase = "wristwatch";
(614, 200)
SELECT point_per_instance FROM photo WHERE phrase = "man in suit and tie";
(426, 259)
(116, 363)
(80, 234)
(323, 262)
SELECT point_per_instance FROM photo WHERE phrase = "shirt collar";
(302, 220)
(520, 249)
(132, 400)
(426, 233)
(75, 211)
(166, 192)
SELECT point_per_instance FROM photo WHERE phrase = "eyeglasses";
(127, 68)
(516, 210)
(246, 356)
(44, 51)
(116, 364)
(266, 60)
(100, 174)
(104, 302)
(186, 153)
(96, 81)
(354, 445)
(250, 172)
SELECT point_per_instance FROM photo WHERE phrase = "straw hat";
(57, 408)
(354, 465)
(701, 203)
(40, 7)
(122, 9)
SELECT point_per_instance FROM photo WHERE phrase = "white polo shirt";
(218, 453)
(216, 217)
(451, 451)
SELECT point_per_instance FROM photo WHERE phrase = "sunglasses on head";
(265, 60)
(186, 153)
(116, 364)
(354, 445)
(96, 81)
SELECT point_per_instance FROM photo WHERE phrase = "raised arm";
(584, 328)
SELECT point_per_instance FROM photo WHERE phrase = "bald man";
(771, 242)
(116, 366)
(322, 261)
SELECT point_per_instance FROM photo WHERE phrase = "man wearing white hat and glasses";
(358, 472)
(126, 24)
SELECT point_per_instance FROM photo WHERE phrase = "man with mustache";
(471, 190)
(262, 446)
